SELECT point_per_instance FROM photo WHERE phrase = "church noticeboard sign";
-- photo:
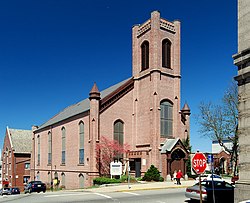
(115, 168)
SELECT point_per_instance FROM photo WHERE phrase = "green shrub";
(124, 178)
(161, 179)
(104, 180)
(152, 174)
(139, 178)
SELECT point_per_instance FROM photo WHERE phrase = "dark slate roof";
(21, 140)
(79, 107)
(169, 144)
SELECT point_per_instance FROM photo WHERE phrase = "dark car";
(223, 191)
(35, 186)
(15, 190)
(5, 191)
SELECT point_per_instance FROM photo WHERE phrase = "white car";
(5, 191)
(209, 177)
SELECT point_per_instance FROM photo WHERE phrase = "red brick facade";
(136, 103)
(15, 164)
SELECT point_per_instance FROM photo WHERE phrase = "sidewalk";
(141, 186)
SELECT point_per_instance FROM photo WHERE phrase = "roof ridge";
(73, 110)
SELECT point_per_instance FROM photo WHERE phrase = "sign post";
(199, 165)
(210, 160)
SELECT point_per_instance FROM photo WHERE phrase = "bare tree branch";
(220, 122)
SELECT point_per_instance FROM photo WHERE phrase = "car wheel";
(44, 191)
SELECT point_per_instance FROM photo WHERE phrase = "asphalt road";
(143, 196)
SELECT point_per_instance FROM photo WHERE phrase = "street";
(176, 195)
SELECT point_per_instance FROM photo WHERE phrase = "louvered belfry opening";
(166, 53)
(145, 55)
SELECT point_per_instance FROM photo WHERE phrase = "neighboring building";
(16, 155)
(142, 111)
(242, 61)
(222, 158)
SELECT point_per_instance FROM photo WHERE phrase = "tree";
(152, 174)
(186, 143)
(220, 122)
(106, 151)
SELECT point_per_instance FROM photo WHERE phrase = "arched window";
(49, 148)
(81, 180)
(49, 177)
(145, 55)
(118, 132)
(166, 119)
(37, 175)
(81, 143)
(63, 179)
(63, 144)
(38, 150)
(166, 53)
(56, 175)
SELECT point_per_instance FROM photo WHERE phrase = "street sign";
(199, 163)
(210, 158)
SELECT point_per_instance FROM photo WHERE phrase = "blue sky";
(51, 53)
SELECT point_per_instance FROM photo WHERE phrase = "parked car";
(5, 191)
(35, 186)
(223, 191)
(15, 190)
(209, 177)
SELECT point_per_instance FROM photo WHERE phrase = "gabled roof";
(21, 140)
(79, 107)
(169, 145)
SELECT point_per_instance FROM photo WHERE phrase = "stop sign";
(199, 163)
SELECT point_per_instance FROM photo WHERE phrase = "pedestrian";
(174, 175)
(179, 175)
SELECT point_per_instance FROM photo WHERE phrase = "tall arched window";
(49, 147)
(63, 144)
(166, 53)
(118, 132)
(145, 55)
(38, 150)
(81, 143)
(49, 177)
(166, 119)
(81, 180)
(63, 179)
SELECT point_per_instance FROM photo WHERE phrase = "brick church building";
(142, 111)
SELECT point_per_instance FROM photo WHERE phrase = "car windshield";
(215, 176)
(217, 184)
(36, 182)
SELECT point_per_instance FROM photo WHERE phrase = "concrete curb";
(140, 186)
(153, 188)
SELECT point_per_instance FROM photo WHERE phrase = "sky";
(52, 52)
